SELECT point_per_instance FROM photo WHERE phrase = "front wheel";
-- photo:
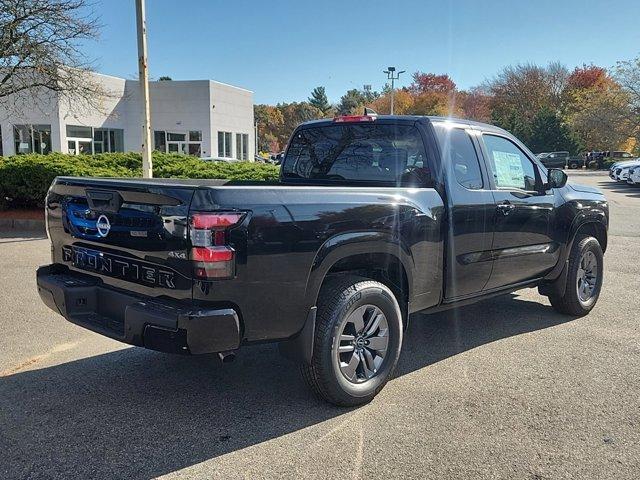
(584, 278)
(357, 341)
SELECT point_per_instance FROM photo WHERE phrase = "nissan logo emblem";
(103, 226)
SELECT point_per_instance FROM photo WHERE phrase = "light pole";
(143, 78)
(391, 75)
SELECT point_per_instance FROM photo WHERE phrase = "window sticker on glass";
(508, 169)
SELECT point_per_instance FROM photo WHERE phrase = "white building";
(199, 117)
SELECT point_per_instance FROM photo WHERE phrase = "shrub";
(25, 179)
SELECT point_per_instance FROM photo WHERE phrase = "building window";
(78, 131)
(160, 141)
(195, 149)
(79, 140)
(195, 143)
(176, 142)
(227, 145)
(88, 140)
(32, 138)
(108, 140)
(176, 137)
(224, 145)
(242, 146)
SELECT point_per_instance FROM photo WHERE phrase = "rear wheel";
(584, 278)
(357, 341)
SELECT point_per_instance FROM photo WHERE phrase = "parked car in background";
(622, 155)
(620, 171)
(576, 162)
(554, 159)
(634, 176)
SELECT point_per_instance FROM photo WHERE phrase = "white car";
(616, 165)
(620, 171)
(634, 175)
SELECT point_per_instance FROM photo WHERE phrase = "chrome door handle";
(506, 207)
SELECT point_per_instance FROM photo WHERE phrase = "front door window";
(511, 168)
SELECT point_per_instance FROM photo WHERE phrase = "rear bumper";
(146, 322)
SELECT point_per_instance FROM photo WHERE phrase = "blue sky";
(283, 49)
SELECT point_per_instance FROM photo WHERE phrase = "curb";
(21, 224)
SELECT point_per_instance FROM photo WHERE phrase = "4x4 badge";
(103, 226)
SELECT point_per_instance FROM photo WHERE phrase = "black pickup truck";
(374, 218)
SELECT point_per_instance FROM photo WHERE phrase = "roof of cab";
(408, 118)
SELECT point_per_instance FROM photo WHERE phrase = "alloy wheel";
(587, 276)
(362, 345)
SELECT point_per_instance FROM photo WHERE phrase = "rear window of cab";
(363, 152)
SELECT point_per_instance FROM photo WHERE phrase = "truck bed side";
(295, 235)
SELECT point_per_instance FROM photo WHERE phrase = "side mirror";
(557, 178)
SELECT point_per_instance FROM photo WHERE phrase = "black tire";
(570, 303)
(339, 298)
(573, 166)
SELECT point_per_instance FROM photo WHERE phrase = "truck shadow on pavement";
(620, 187)
(133, 413)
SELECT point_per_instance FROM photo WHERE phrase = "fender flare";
(584, 218)
(339, 247)
(346, 245)
(556, 279)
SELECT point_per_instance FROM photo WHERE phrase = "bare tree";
(40, 54)
(627, 74)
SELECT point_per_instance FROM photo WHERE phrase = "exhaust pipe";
(227, 357)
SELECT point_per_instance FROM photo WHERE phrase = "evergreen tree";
(351, 102)
(319, 100)
(550, 134)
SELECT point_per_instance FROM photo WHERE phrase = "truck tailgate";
(130, 234)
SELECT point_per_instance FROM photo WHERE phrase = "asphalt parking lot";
(502, 389)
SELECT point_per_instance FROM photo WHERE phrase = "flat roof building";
(198, 117)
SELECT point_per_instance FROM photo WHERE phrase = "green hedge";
(24, 179)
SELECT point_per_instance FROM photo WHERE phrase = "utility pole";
(391, 75)
(143, 78)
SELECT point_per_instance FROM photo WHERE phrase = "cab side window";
(459, 152)
(511, 168)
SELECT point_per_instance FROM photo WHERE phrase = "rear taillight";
(211, 255)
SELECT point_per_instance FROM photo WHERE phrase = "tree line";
(550, 108)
